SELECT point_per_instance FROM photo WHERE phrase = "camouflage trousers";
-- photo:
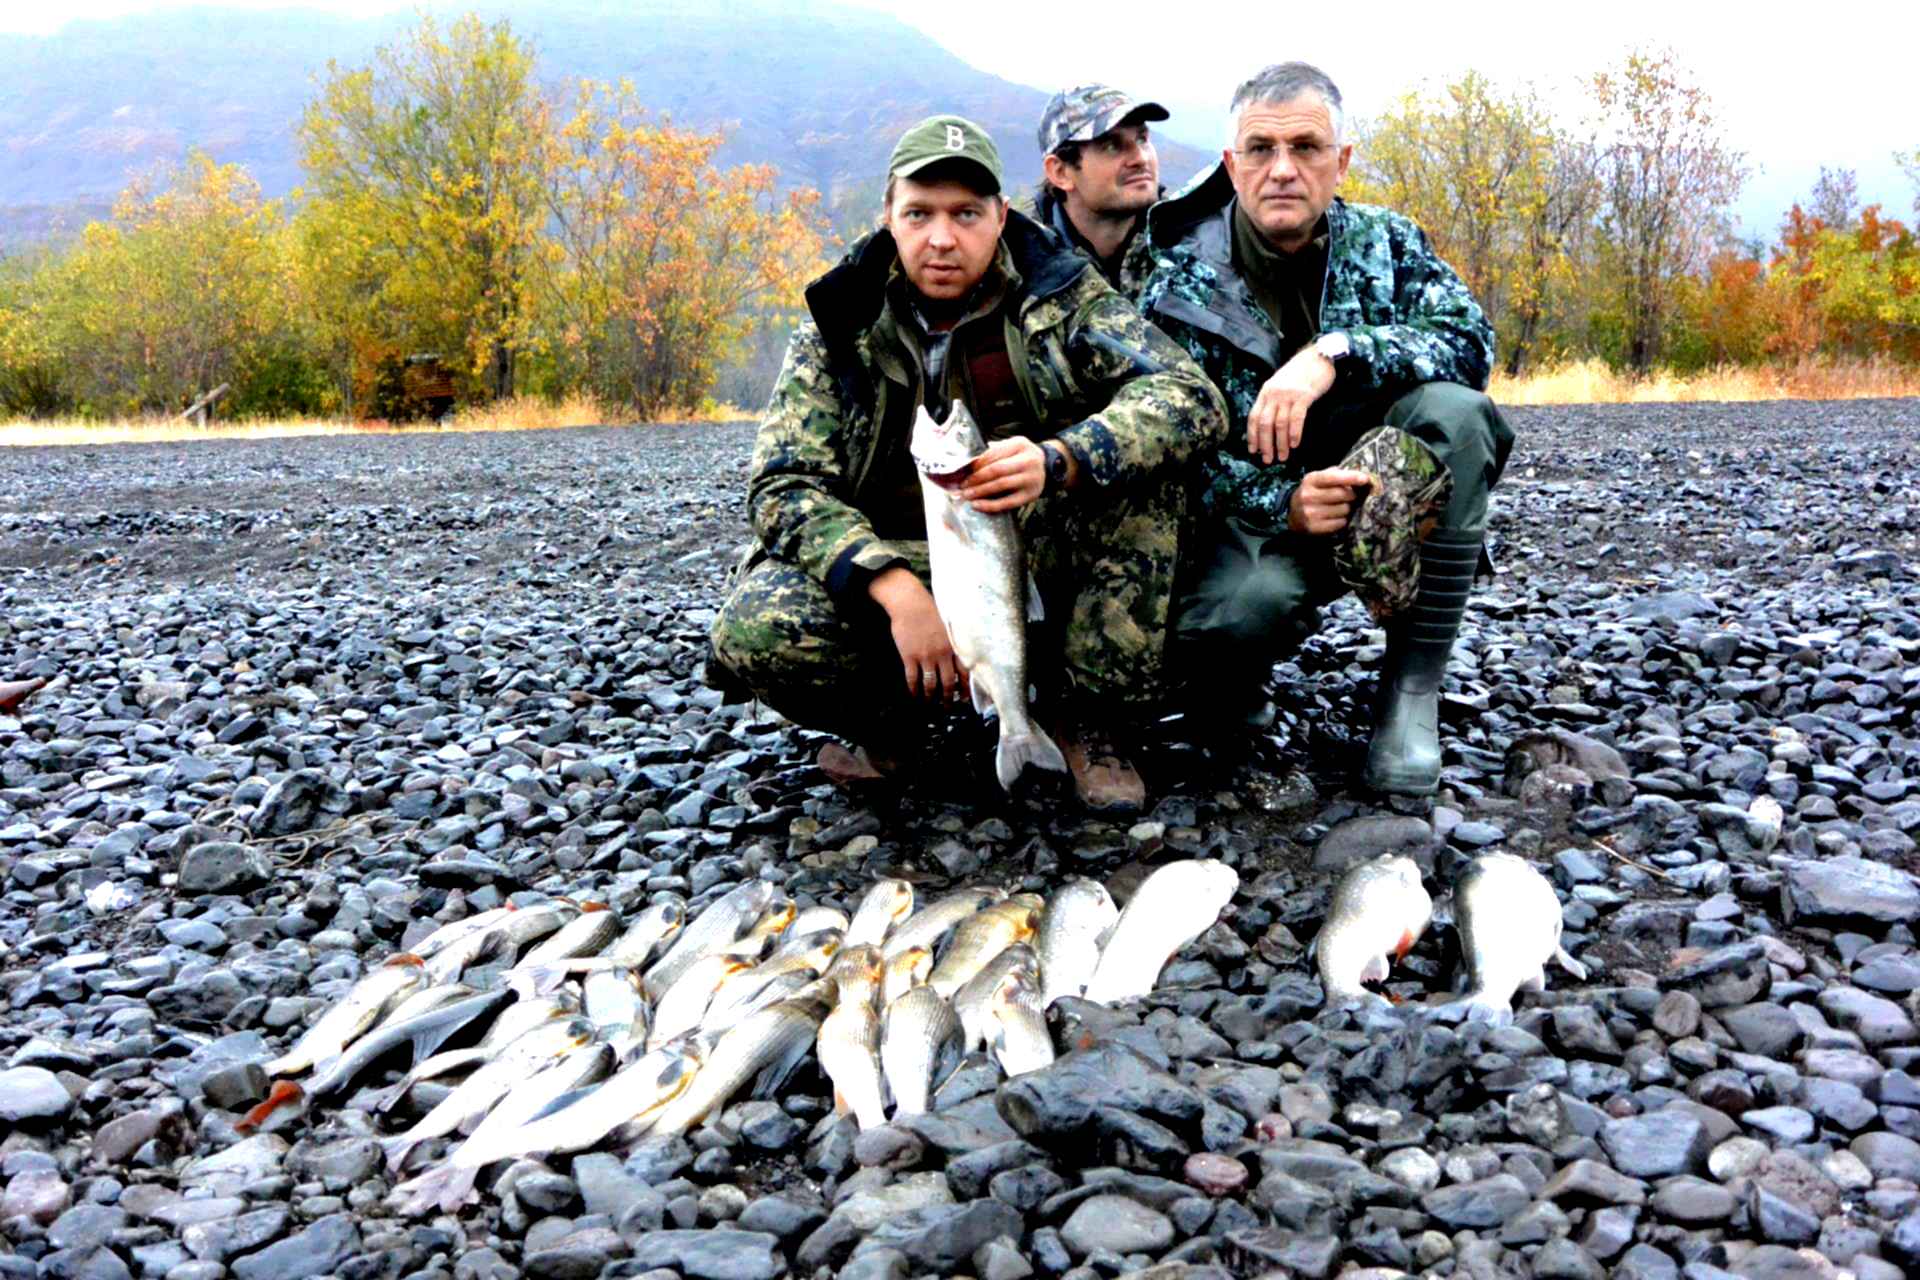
(1105, 567)
(1251, 599)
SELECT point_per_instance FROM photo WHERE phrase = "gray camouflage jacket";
(1408, 315)
(1092, 373)
(1136, 257)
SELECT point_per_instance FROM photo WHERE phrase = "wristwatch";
(1056, 468)
(1334, 346)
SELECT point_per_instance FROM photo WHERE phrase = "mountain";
(817, 90)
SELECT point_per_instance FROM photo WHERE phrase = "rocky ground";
(312, 697)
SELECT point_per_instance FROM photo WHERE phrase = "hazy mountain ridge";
(100, 102)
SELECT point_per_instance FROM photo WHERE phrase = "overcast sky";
(1796, 88)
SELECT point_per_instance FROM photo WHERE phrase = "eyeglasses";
(1303, 154)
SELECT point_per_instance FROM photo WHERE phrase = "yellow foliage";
(1595, 382)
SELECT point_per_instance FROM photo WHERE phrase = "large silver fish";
(1377, 912)
(981, 588)
(504, 935)
(1172, 907)
(1078, 918)
(1509, 922)
(587, 934)
(650, 931)
(919, 1047)
(359, 1009)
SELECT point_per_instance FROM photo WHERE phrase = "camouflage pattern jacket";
(1136, 258)
(1127, 402)
(1408, 315)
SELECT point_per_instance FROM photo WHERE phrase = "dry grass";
(1593, 382)
(522, 413)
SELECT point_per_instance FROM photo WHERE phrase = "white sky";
(1795, 87)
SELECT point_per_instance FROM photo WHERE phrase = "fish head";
(775, 918)
(860, 963)
(671, 915)
(916, 963)
(944, 451)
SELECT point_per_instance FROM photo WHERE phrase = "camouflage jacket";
(1136, 256)
(1092, 373)
(1409, 317)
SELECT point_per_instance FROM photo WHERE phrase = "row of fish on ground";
(610, 1032)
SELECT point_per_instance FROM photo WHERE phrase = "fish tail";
(1019, 750)
(397, 1149)
(388, 1099)
(1568, 963)
(445, 1187)
(1479, 1006)
(540, 980)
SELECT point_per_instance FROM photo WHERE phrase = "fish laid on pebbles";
(1173, 906)
(1377, 912)
(1509, 922)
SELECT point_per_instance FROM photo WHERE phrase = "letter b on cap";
(956, 141)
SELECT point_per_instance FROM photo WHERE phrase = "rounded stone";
(1215, 1174)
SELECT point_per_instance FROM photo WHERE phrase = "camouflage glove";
(1378, 553)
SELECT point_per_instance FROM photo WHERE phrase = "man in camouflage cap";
(1093, 419)
(1101, 175)
(1320, 320)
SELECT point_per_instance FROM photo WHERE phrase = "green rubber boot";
(1404, 756)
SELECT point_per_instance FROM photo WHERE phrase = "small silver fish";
(849, 1050)
(885, 905)
(1019, 1040)
(352, 1014)
(919, 1047)
(765, 1048)
(587, 934)
(927, 926)
(984, 935)
(685, 1003)
(721, 923)
(905, 971)
(972, 1002)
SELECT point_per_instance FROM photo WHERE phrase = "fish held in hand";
(1377, 912)
(1173, 906)
(1508, 918)
(981, 588)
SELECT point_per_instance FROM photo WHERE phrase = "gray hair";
(1283, 82)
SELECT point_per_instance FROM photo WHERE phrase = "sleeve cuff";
(848, 577)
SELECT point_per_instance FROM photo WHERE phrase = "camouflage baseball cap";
(939, 138)
(1083, 113)
(1378, 553)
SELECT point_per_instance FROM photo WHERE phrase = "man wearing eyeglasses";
(1101, 176)
(1320, 320)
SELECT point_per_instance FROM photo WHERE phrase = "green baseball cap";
(939, 138)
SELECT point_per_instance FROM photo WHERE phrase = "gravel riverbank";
(312, 698)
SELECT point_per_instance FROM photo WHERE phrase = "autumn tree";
(661, 259)
(1909, 162)
(1836, 198)
(1666, 179)
(426, 195)
(188, 286)
(1504, 193)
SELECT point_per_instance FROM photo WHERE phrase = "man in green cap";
(1101, 174)
(1092, 419)
(1322, 322)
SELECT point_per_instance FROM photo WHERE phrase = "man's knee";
(1466, 430)
(771, 620)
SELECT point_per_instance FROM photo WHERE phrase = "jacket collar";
(847, 300)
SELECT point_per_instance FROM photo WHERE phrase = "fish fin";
(1375, 969)
(387, 1099)
(774, 1076)
(982, 700)
(1405, 944)
(283, 1093)
(1016, 752)
(540, 980)
(1036, 609)
(840, 1104)
(1568, 963)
